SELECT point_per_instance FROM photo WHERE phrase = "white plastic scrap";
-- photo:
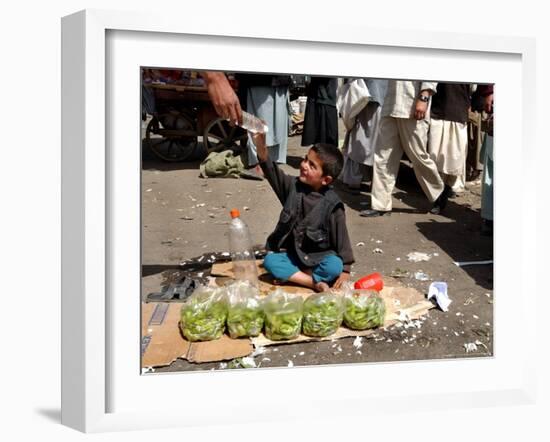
(248, 362)
(416, 324)
(259, 350)
(223, 365)
(377, 250)
(358, 342)
(145, 370)
(290, 363)
(403, 316)
(301, 353)
(418, 256)
(472, 346)
(439, 290)
(360, 244)
(420, 276)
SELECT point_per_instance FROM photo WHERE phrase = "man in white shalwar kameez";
(360, 105)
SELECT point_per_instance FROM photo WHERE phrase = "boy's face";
(311, 171)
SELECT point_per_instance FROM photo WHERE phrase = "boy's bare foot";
(321, 286)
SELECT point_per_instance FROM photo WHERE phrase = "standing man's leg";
(487, 186)
(387, 155)
(414, 137)
(270, 104)
(281, 124)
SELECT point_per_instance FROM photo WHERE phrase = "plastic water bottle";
(253, 124)
(242, 254)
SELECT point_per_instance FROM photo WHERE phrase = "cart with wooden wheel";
(184, 121)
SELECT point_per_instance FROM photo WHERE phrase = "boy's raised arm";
(279, 181)
(261, 148)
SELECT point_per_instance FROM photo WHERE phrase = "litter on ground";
(421, 276)
(438, 289)
(418, 256)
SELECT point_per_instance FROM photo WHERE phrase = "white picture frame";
(102, 387)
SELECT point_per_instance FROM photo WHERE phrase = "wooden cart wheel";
(173, 142)
(220, 135)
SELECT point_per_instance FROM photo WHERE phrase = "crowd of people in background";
(444, 129)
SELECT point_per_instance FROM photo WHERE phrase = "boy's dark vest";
(312, 233)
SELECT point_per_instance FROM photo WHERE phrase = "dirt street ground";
(184, 216)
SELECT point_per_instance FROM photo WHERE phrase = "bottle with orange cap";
(240, 247)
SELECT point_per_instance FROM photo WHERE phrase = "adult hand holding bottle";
(223, 97)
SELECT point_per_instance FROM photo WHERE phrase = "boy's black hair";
(332, 158)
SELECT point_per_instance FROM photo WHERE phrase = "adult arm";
(427, 89)
(223, 97)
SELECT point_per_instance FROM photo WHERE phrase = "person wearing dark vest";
(310, 245)
(448, 135)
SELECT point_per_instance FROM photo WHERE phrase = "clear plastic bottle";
(253, 124)
(242, 253)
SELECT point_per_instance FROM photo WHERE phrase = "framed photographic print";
(152, 170)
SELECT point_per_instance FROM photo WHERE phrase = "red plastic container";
(370, 282)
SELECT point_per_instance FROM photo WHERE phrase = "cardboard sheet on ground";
(224, 273)
(163, 343)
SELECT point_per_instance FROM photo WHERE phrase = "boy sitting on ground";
(312, 226)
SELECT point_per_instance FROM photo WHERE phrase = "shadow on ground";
(457, 231)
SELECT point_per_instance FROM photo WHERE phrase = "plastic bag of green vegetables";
(364, 309)
(203, 314)
(323, 314)
(245, 316)
(283, 315)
